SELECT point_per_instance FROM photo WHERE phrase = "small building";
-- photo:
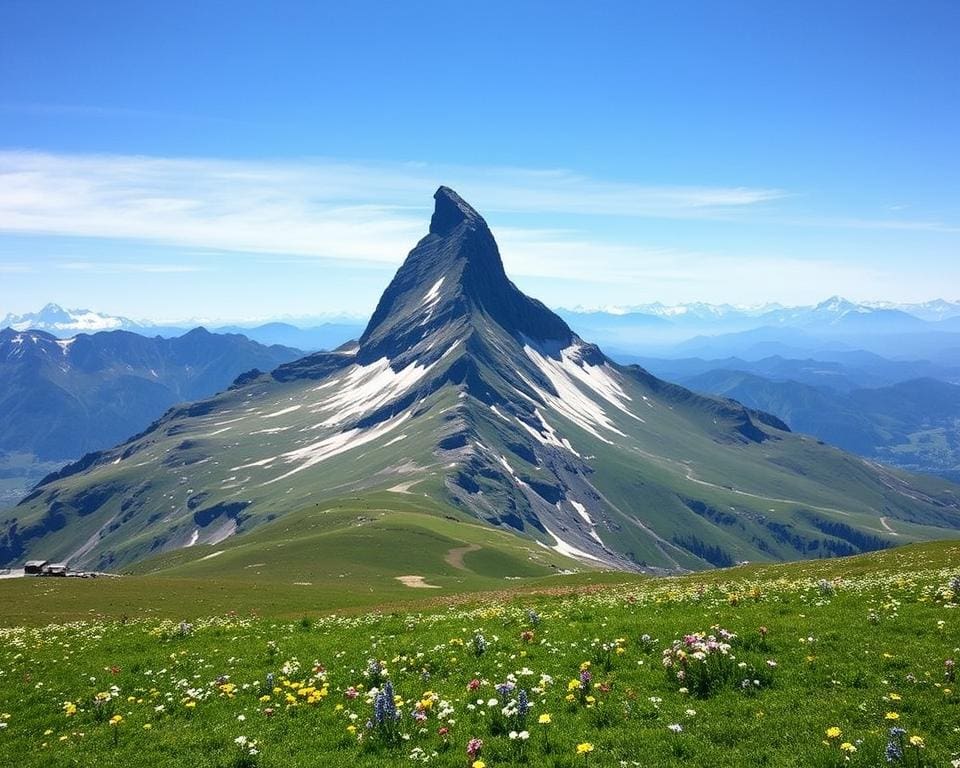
(34, 567)
(54, 569)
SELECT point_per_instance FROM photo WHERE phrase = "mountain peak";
(450, 211)
(453, 281)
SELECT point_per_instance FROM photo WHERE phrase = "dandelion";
(584, 748)
(833, 732)
(848, 748)
(545, 719)
(115, 725)
(891, 716)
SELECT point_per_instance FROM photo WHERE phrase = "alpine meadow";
(644, 456)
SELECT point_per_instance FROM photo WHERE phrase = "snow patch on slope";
(367, 387)
(571, 368)
(281, 412)
(433, 295)
(334, 445)
(547, 434)
(567, 549)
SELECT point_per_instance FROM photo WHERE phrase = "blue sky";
(253, 160)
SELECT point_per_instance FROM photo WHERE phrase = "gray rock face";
(453, 280)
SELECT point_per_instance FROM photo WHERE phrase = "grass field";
(824, 659)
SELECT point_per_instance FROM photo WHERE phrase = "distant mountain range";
(913, 424)
(705, 330)
(711, 329)
(61, 322)
(696, 312)
(902, 412)
(64, 323)
(475, 404)
(61, 398)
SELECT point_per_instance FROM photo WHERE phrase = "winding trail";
(455, 556)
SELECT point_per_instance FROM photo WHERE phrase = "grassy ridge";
(855, 645)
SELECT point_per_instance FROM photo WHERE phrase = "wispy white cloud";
(370, 214)
(315, 207)
(118, 267)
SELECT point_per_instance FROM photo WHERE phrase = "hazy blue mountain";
(61, 398)
(839, 370)
(310, 339)
(469, 394)
(912, 424)
(720, 331)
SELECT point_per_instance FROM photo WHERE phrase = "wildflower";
(478, 764)
(833, 732)
(584, 748)
(675, 727)
(474, 747)
(505, 688)
(848, 748)
(479, 644)
(545, 719)
(116, 720)
(891, 716)
(523, 703)
(917, 741)
(894, 750)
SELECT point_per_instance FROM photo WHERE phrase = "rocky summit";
(467, 393)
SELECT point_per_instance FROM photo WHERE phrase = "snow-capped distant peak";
(67, 322)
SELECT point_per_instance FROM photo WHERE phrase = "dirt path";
(455, 556)
(404, 487)
(417, 582)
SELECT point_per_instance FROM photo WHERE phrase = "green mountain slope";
(464, 389)
(912, 424)
(61, 398)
